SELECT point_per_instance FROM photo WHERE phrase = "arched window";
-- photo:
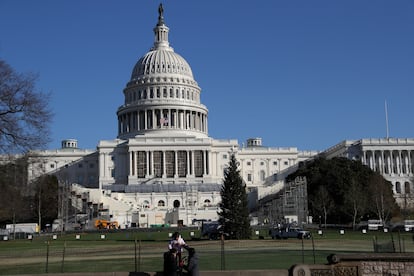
(161, 203)
(262, 175)
(145, 204)
(398, 187)
(176, 203)
(407, 187)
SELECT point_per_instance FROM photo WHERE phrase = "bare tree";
(355, 200)
(382, 200)
(24, 112)
(323, 203)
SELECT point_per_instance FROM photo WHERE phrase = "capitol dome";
(162, 96)
(161, 59)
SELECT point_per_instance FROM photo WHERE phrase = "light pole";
(39, 212)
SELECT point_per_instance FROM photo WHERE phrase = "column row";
(162, 118)
(390, 161)
(169, 164)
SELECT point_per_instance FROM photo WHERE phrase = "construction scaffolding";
(289, 205)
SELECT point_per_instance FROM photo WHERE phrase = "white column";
(130, 163)
(253, 170)
(268, 161)
(152, 164)
(102, 168)
(176, 164)
(147, 154)
(204, 162)
(175, 112)
(181, 119)
(163, 165)
(379, 162)
(371, 161)
(389, 162)
(206, 124)
(192, 163)
(169, 118)
(364, 158)
(136, 164)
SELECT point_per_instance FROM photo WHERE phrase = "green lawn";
(142, 251)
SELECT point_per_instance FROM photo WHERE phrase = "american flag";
(164, 121)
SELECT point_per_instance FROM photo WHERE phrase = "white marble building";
(163, 168)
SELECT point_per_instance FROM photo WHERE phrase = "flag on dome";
(164, 121)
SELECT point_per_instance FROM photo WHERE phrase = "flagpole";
(386, 119)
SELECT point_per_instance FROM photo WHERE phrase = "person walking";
(178, 243)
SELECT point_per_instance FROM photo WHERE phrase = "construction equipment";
(106, 224)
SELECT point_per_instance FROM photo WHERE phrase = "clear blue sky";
(298, 73)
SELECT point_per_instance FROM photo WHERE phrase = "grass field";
(143, 251)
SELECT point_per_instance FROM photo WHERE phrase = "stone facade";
(398, 264)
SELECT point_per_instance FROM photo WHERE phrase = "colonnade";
(169, 164)
(162, 119)
(390, 161)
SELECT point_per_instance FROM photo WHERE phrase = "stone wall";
(389, 264)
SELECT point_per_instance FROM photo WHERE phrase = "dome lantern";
(161, 32)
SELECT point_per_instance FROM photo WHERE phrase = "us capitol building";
(163, 168)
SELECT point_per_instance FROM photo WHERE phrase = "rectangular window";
(249, 177)
(141, 164)
(170, 163)
(182, 163)
(158, 163)
(198, 163)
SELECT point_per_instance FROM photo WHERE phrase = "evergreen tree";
(234, 213)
